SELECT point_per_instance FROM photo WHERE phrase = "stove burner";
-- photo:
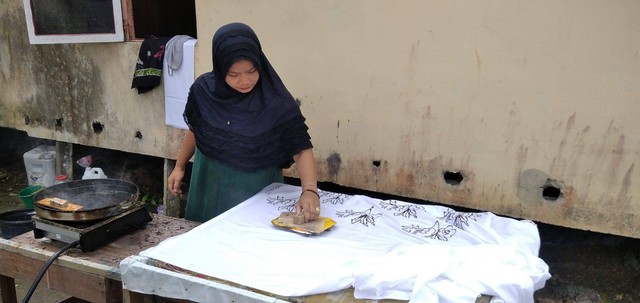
(91, 234)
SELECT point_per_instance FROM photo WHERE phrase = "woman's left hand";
(309, 204)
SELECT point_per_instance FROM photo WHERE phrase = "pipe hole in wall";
(376, 163)
(98, 127)
(138, 135)
(58, 122)
(453, 178)
(551, 192)
(27, 120)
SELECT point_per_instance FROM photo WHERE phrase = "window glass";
(59, 17)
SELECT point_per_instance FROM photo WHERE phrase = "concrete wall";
(533, 105)
(78, 93)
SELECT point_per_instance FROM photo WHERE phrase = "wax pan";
(285, 220)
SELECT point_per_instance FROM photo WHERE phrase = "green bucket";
(27, 193)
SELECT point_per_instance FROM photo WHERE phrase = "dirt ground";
(586, 267)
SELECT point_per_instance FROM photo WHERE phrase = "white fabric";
(384, 249)
(176, 85)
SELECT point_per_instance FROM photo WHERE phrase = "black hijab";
(245, 130)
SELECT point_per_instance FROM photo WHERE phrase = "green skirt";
(216, 188)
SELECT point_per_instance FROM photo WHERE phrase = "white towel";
(173, 52)
(176, 86)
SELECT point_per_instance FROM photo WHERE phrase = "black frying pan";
(100, 198)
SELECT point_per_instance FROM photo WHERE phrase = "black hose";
(43, 270)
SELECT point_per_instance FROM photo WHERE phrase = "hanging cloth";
(149, 64)
(173, 52)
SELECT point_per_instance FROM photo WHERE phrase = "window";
(87, 21)
(161, 18)
(73, 21)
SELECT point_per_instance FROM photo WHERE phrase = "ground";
(586, 267)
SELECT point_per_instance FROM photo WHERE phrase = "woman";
(244, 128)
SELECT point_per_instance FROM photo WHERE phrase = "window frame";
(117, 36)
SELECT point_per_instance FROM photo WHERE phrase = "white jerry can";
(93, 173)
(40, 165)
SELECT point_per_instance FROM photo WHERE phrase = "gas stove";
(91, 235)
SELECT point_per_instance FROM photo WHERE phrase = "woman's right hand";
(175, 181)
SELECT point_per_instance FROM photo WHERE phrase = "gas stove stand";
(94, 234)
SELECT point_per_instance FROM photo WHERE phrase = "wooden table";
(91, 276)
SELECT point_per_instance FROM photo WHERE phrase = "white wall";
(515, 95)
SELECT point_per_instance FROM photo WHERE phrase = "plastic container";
(16, 222)
(27, 193)
(61, 179)
(40, 165)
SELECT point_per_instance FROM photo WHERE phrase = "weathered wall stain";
(62, 90)
(333, 165)
(624, 199)
(617, 156)
(60, 79)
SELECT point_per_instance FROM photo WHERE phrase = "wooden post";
(8, 289)
(172, 204)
